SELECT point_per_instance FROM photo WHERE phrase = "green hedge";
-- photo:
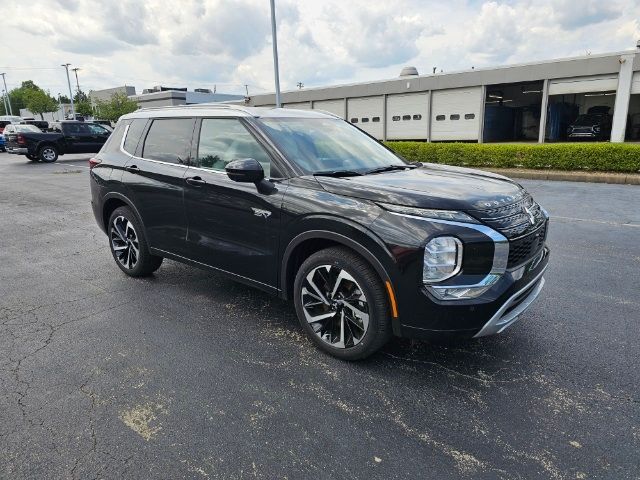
(598, 157)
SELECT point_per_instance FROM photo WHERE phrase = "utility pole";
(246, 89)
(75, 70)
(4, 80)
(275, 53)
(73, 110)
(4, 100)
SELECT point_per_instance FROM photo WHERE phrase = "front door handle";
(132, 169)
(195, 181)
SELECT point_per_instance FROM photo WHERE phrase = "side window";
(469, 116)
(133, 135)
(440, 118)
(375, 119)
(365, 119)
(395, 118)
(113, 142)
(96, 129)
(354, 120)
(82, 129)
(169, 140)
(223, 140)
(455, 116)
(417, 117)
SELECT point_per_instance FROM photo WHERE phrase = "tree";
(84, 108)
(113, 109)
(39, 102)
(80, 97)
(17, 96)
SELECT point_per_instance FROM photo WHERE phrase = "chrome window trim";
(500, 252)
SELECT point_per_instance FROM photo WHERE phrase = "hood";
(431, 186)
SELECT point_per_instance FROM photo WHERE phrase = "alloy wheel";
(49, 154)
(124, 242)
(335, 306)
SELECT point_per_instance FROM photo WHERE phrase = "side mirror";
(247, 170)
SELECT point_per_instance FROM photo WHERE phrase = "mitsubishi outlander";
(308, 207)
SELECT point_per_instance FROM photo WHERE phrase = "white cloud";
(228, 42)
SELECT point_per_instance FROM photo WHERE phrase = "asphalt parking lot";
(189, 375)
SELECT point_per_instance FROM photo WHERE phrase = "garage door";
(455, 114)
(366, 113)
(408, 116)
(597, 83)
(298, 105)
(332, 106)
(635, 83)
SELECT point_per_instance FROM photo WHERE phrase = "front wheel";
(48, 154)
(129, 246)
(341, 304)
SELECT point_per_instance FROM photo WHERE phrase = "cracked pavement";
(189, 375)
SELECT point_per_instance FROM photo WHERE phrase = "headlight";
(451, 215)
(442, 259)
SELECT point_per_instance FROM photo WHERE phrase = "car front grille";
(514, 220)
(525, 248)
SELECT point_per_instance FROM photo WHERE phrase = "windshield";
(588, 120)
(325, 144)
(27, 128)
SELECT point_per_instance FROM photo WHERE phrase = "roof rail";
(225, 106)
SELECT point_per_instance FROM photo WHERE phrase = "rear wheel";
(129, 246)
(341, 304)
(48, 154)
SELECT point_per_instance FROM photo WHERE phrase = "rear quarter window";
(133, 135)
(115, 139)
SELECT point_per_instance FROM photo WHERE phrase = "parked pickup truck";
(65, 137)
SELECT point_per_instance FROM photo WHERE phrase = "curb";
(615, 178)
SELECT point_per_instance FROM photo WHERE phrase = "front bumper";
(511, 310)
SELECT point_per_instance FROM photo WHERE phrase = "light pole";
(4, 100)
(275, 52)
(73, 110)
(4, 80)
(61, 109)
(75, 70)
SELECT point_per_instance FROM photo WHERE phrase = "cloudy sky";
(202, 43)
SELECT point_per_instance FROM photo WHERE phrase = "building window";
(375, 119)
(365, 119)
(455, 116)
(417, 117)
(396, 118)
(354, 120)
(406, 117)
(440, 118)
(469, 116)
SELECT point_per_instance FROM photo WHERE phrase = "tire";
(128, 244)
(350, 290)
(48, 154)
(33, 158)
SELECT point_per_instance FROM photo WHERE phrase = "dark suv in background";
(308, 207)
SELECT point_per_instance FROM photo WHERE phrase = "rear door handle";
(195, 181)
(132, 169)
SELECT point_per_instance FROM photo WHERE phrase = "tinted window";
(375, 119)
(169, 140)
(469, 116)
(365, 120)
(417, 117)
(223, 140)
(455, 116)
(406, 117)
(395, 118)
(114, 141)
(354, 120)
(133, 135)
(97, 129)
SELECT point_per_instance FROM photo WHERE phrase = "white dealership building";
(531, 102)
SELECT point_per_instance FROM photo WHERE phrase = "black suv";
(308, 207)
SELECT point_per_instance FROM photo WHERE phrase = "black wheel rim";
(124, 242)
(335, 306)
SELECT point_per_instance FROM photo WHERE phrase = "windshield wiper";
(338, 173)
(390, 168)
